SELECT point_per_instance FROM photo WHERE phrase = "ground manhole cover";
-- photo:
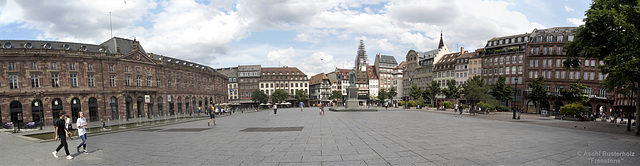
(271, 129)
(185, 130)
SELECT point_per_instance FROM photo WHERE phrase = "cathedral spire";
(441, 42)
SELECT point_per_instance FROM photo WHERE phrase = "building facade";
(419, 68)
(320, 89)
(504, 57)
(462, 67)
(288, 79)
(544, 58)
(232, 74)
(373, 81)
(385, 66)
(115, 80)
(397, 81)
(248, 81)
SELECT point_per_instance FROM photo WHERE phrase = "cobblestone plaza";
(394, 137)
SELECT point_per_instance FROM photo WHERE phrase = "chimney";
(461, 50)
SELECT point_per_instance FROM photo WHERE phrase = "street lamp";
(515, 96)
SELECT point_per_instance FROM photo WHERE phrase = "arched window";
(93, 109)
(113, 104)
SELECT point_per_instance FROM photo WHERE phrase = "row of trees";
(278, 95)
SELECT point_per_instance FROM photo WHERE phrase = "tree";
(610, 34)
(279, 95)
(452, 91)
(500, 91)
(392, 93)
(300, 96)
(539, 93)
(336, 95)
(576, 93)
(474, 90)
(415, 92)
(258, 96)
(383, 95)
(432, 91)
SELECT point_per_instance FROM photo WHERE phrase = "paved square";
(394, 137)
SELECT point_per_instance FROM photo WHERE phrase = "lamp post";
(515, 94)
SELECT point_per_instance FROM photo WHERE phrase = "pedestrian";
(81, 123)
(212, 116)
(321, 109)
(301, 106)
(61, 134)
(460, 108)
(386, 106)
(69, 127)
(455, 110)
(275, 109)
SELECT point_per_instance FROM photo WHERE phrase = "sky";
(314, 35)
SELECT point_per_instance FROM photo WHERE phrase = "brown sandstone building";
(114, 80)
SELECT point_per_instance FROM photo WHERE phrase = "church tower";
(361, 61)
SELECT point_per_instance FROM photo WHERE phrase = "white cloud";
(575, 21)
(568, 9)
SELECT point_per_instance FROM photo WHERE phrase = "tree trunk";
(635, 85)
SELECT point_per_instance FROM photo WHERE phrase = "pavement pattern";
(393, 137)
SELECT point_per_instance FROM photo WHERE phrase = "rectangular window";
(35, 81)
(91, 80)
(544, 63)
(34, 66)
(138, 70)
(90, 67)
(570, 38)
(110, 68)
(72, 66)
(513, 69)
(593, 63)
(544, 51)
(549, 38)
(13, 81)
(570, 75)
(54, 66)
(495, 61)
(530, 74)
(74, 79)
(112, 81)
(520, 59)
(169, 83)
(148, 81)
(520, 70)
(592, 75)
(501, 60)
(586, 75)
(557, 74)
(55, 82)
(126, 69)
(12, 66)
(559, 38)
(178, 84)
(539, 39)
(158, 82)
(586, 63)
(548, 74)
(501, 71)
(530, 63)
(599, 76)
(507, 60)
(560, 51)
(127, 80)
(507, 70)
(138, 81)
(537, 51)
(536, 65)
(558, 63)
(562, 75)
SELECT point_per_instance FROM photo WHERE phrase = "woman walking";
(81, 123)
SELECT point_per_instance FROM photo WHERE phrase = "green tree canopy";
(611, 34)
(279, 95)
(300, 96)
(539, 92)
(474, 90)
(336, 95)
(392, 93)
(500, 91)
(258, 96)
(432, 91)
(383, 94)
(452, 91)
(575, 94)
(415, 92)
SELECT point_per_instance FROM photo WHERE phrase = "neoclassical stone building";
(114, 80)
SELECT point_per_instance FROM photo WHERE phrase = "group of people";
(275, 108)
(457, 108)
(63, 130)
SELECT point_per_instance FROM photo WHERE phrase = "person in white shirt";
(81, 124)
(275, 109)
(69, 127)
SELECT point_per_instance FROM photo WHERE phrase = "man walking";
(61, 134)
(275, 109)
(81, 123)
